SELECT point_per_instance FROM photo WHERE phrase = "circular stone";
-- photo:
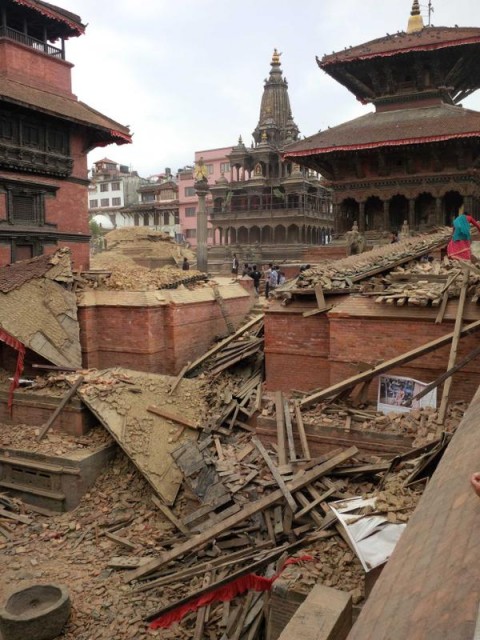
(37, 613)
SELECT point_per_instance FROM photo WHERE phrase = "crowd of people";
(271, 274)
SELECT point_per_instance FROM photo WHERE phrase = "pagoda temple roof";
(428, 39)
(67, 19)
(419, 125)
(65, 108)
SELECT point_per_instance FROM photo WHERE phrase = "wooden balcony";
(23, 38)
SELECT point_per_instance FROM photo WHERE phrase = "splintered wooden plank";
(249, 510)
(454, 346)
(179, 378)
(288, 427)
(168, 513)
(349, 383)
(274, 471)
(218, 347)
(279, 409)
(174, 417)
(70, 393)
(301, 431)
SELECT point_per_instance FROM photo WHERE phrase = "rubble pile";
(419, 424)
(344, 274)
(132, 277)
(140, 242)
(196, 508)
(24, 437)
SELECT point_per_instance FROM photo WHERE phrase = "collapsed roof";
(38, 308)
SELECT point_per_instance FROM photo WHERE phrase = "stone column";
(411, 213)
(361, 217)
(438, 211)
(201, 189)
(386, 214)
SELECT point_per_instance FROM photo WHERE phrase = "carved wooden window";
(6, 129)
(136, 219)
(57, 142)
(26, 207)
(31, 135)
(156, 218)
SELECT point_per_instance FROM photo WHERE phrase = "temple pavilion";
(416, 157)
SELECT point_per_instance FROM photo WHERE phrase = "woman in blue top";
(459, 247)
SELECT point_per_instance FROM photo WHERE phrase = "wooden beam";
(471, 356)
(70, 393)
(275, 473)
(454, 347)
(301, 431)
(172, 416)
(179, 378)
(349, 383)
(168, 513)
(288, 427)
(218, 347)
(279, 409)
(249, 510)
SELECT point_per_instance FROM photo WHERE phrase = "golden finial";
(276, 57)
(415, 22)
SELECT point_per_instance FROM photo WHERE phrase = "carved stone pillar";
(411, 213)
(438, 212)
(201, 189)
(386, 214)
(361, 217)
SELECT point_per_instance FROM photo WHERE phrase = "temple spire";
(415, 22)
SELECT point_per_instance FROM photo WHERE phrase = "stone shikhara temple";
(269, 201)
(416, 157)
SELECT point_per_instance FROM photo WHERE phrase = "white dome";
(104, 222)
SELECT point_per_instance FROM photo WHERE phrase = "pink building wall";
(215, 158)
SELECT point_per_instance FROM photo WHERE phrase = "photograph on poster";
(395, 394)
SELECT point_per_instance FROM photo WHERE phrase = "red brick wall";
(31, 67)
(155, 339)
(374, 340)
(192, 328)
(296, 359)
(315, 352)
(131, 337)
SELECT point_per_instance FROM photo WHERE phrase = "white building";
(113, 187)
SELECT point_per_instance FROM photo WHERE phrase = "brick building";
(45, 135)
(415, 157)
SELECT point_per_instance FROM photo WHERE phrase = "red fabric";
(15, 344)
(473, 221)
(223, 594)
(459, 250)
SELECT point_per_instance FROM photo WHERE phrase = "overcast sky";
(188, 75)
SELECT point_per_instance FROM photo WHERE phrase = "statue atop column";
(200, 173)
